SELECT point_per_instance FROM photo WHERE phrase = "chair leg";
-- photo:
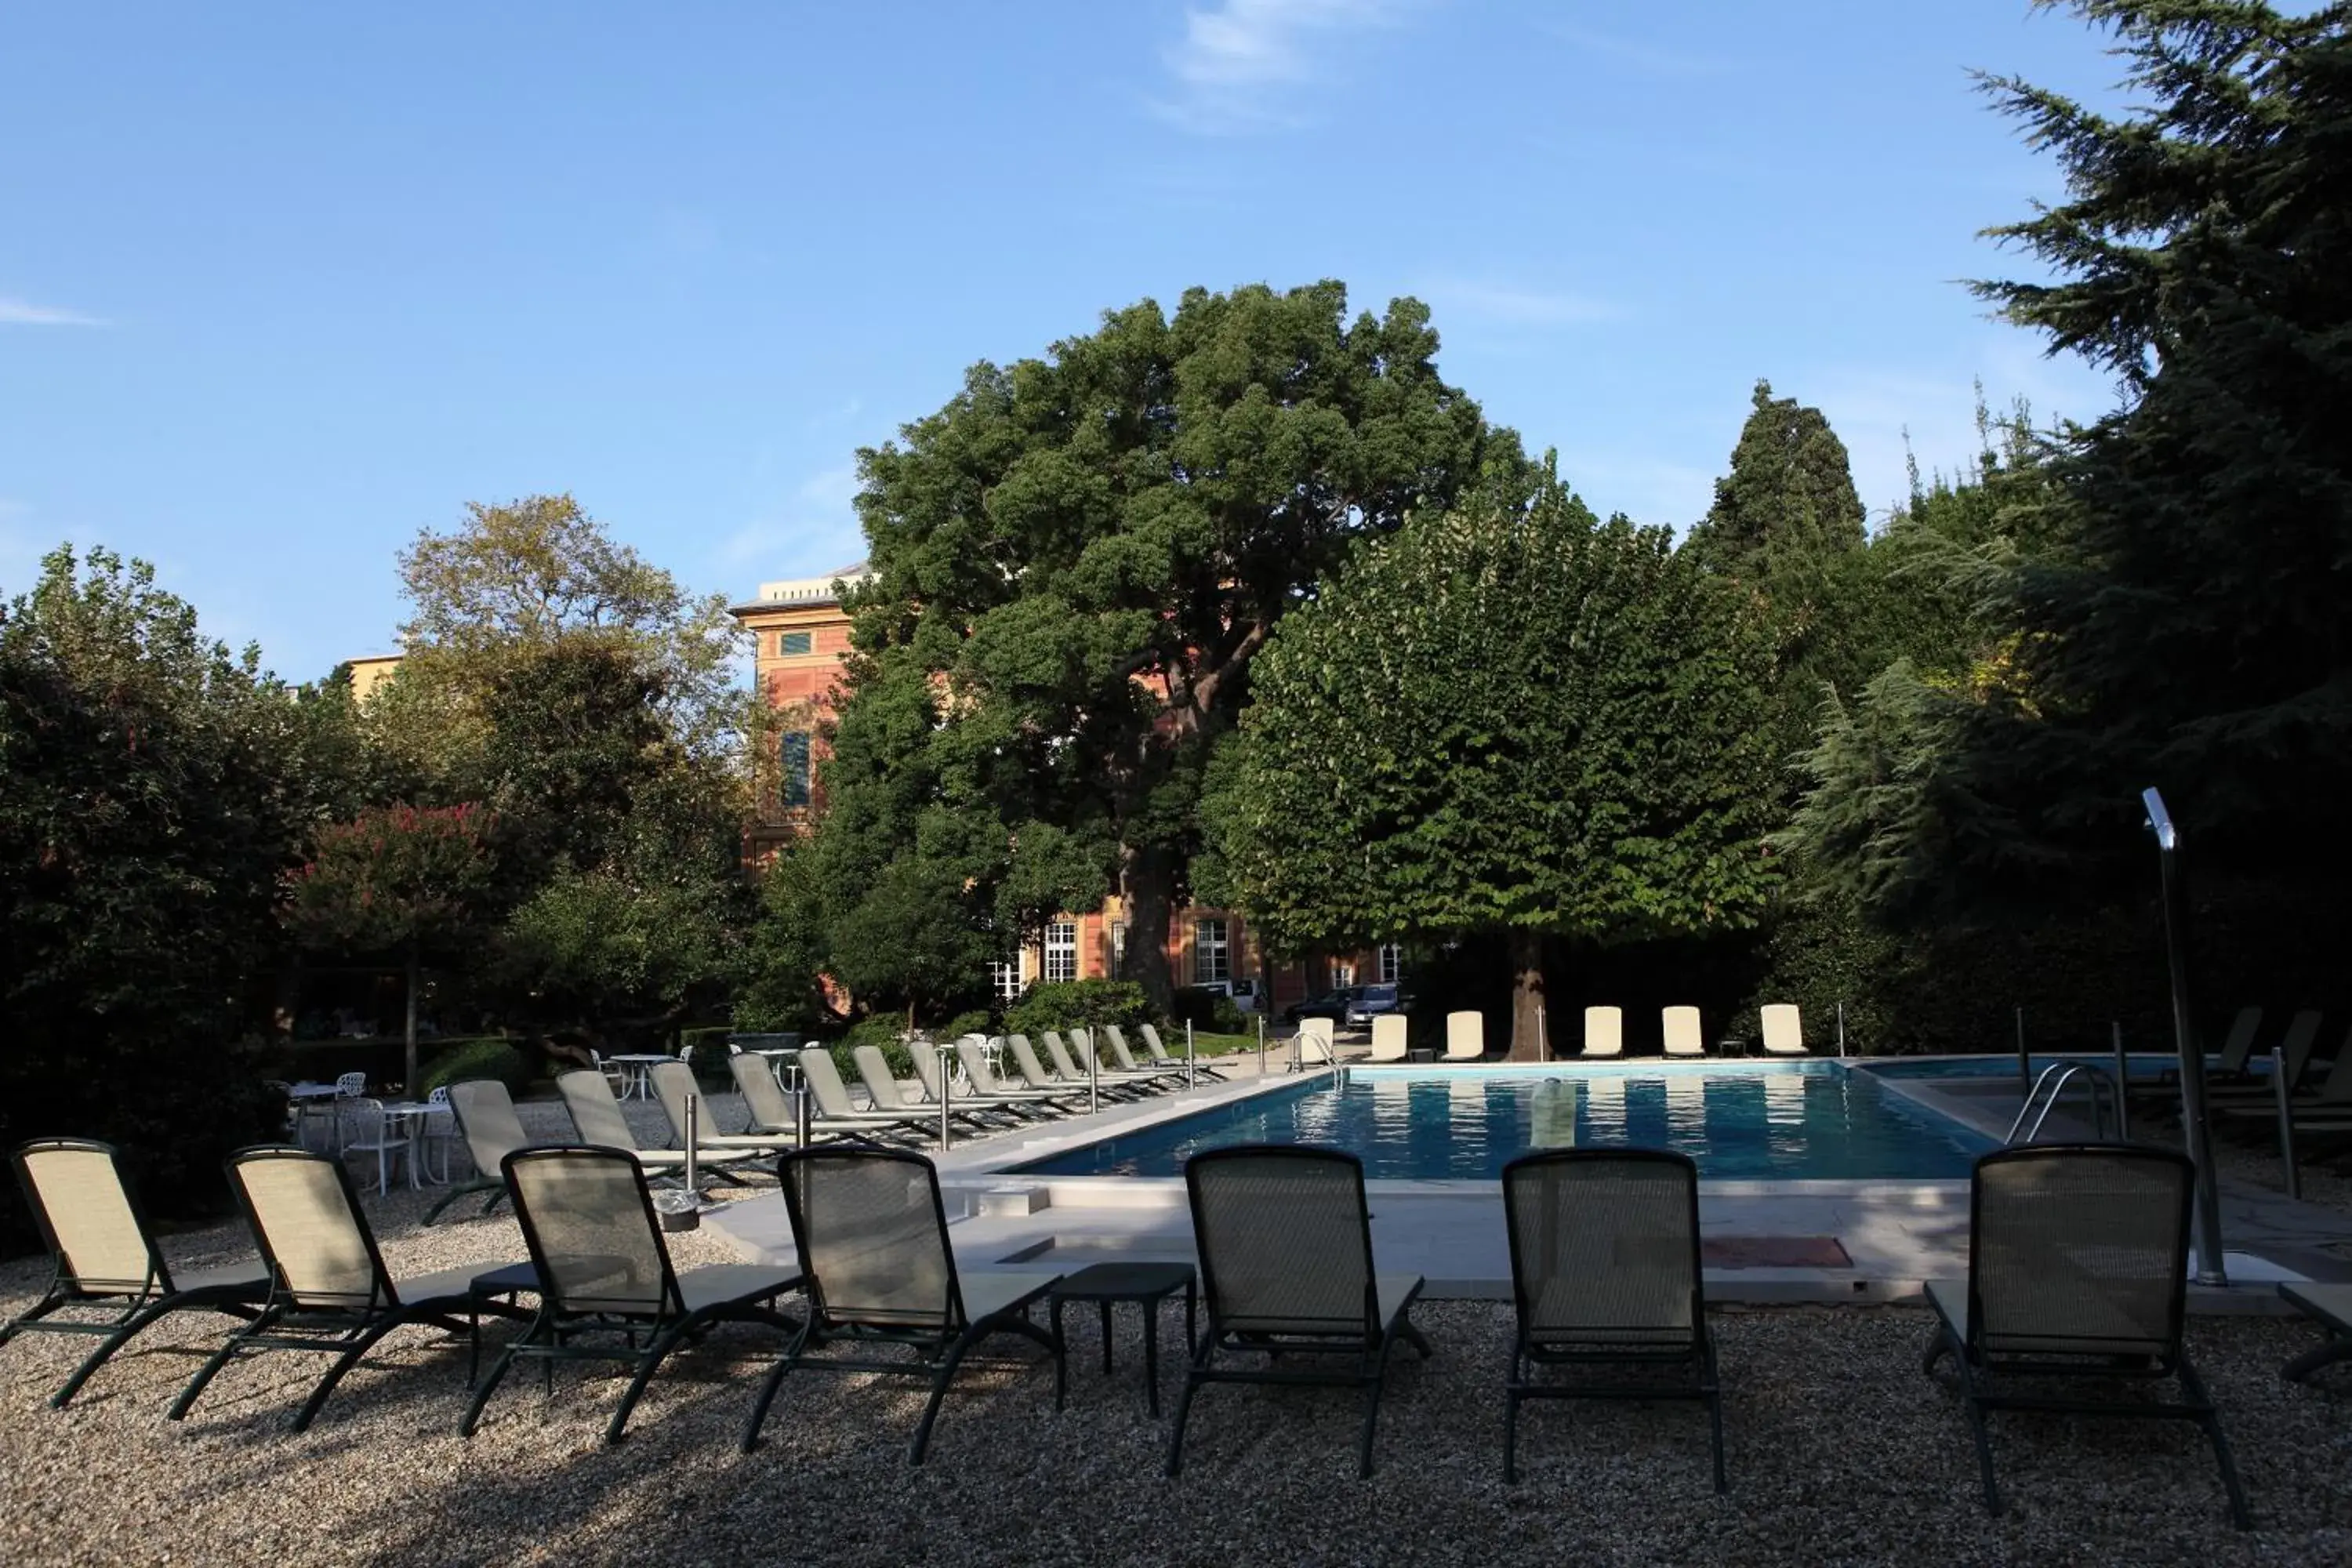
(2338, 1347)
(217, 1359)
(1713, 1389)
(344, 1363)
(33, 1314)
(1511, 1425)
(660, 1347)
(488, 1386)
(2210, 1420)
(940, 1381)
(105, 1351)
(776, 1380)
(1379, 1376)
(1977, 1429)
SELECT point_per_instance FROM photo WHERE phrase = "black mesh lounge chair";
(328, 1288)
(2078, 1265)
(104, 1256)
(873, 1240)
(1605, 1272)
(604, 1270)
(487, 1120)
(1286, 1247)
(2330, 1306)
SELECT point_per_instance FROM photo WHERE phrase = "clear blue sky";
(281, 284)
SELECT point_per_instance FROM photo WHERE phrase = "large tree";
(2186, 624)
(154, 789)
(1509, 723)
(1078, 558)
(514, 580)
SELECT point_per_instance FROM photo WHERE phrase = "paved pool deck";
(1765, 1241)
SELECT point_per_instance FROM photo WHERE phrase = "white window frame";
(1390, 963)
(1005, 979)
(1061, 951)
(1212, 950)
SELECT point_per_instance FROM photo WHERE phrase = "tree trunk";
(1149, 881)
(1527, 995)
(408, 1053)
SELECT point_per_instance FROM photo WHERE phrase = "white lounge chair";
(1389, 1037)
(1684, 1036)
(1604, 1032)
(1314, 1047)
(1783, 1030)
(1466, 1036)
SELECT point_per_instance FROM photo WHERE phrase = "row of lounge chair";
(2077, 1267)
(1604, 1034)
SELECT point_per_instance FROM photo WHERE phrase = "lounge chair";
(675, 1088)
(1203, 1066)
(1389, 1037)
(882, 1087)
(873, 1240)
(1316, 1045)
(971, 1101)
(102, 1255)
(1163, 1072)
(1605, 1272)
(2229, 1072)
(329, 1291)
(1285, 1248)
(974, 1058)
(771, 1112)
(487, 1120)
(2328, 1109)
(596, 1116)
(2295, 1049)
(603, 1268)
(1682, 1033)
(1783, 1030)
(2330, 1306)
(1604, 1032)
(822, 1079)
(2078, 1265)
(1137, 1082)
(1466, 1036)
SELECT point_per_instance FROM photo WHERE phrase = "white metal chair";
(437, 1126)
(349, 1086)
(368, 1129)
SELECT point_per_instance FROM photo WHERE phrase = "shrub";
(1078, 1004)
(467, 1059)
(1211, 1011)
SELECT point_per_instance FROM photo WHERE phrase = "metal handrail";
(2055, 1077)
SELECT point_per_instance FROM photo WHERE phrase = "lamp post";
(2194, 1123)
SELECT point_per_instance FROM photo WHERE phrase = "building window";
(1209, 953)
(1392, 963)
(1343, 974)
(1005, 979)
(1062, 951)
(789, 643)
(795, 762)
(1118, 947)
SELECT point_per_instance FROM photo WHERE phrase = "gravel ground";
(1840, 1452)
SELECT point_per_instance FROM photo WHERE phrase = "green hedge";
(492, 1059)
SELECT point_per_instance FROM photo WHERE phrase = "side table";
(1146, 1285)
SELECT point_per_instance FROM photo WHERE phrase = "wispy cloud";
(1511, 305)
(1641, 55)
(16, 312)
(813, 529)
(1240, 62)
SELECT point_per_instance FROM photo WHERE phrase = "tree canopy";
(1077, 559)
(1503, 721)
(2180, 621)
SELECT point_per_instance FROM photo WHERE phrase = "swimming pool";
(1787, 1121)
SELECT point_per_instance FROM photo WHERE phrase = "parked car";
(1374, 1001)
(1331, 1004)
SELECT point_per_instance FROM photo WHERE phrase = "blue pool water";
(1787, 1121)
(2141, 1065)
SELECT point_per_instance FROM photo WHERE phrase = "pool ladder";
(2044, 1098)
